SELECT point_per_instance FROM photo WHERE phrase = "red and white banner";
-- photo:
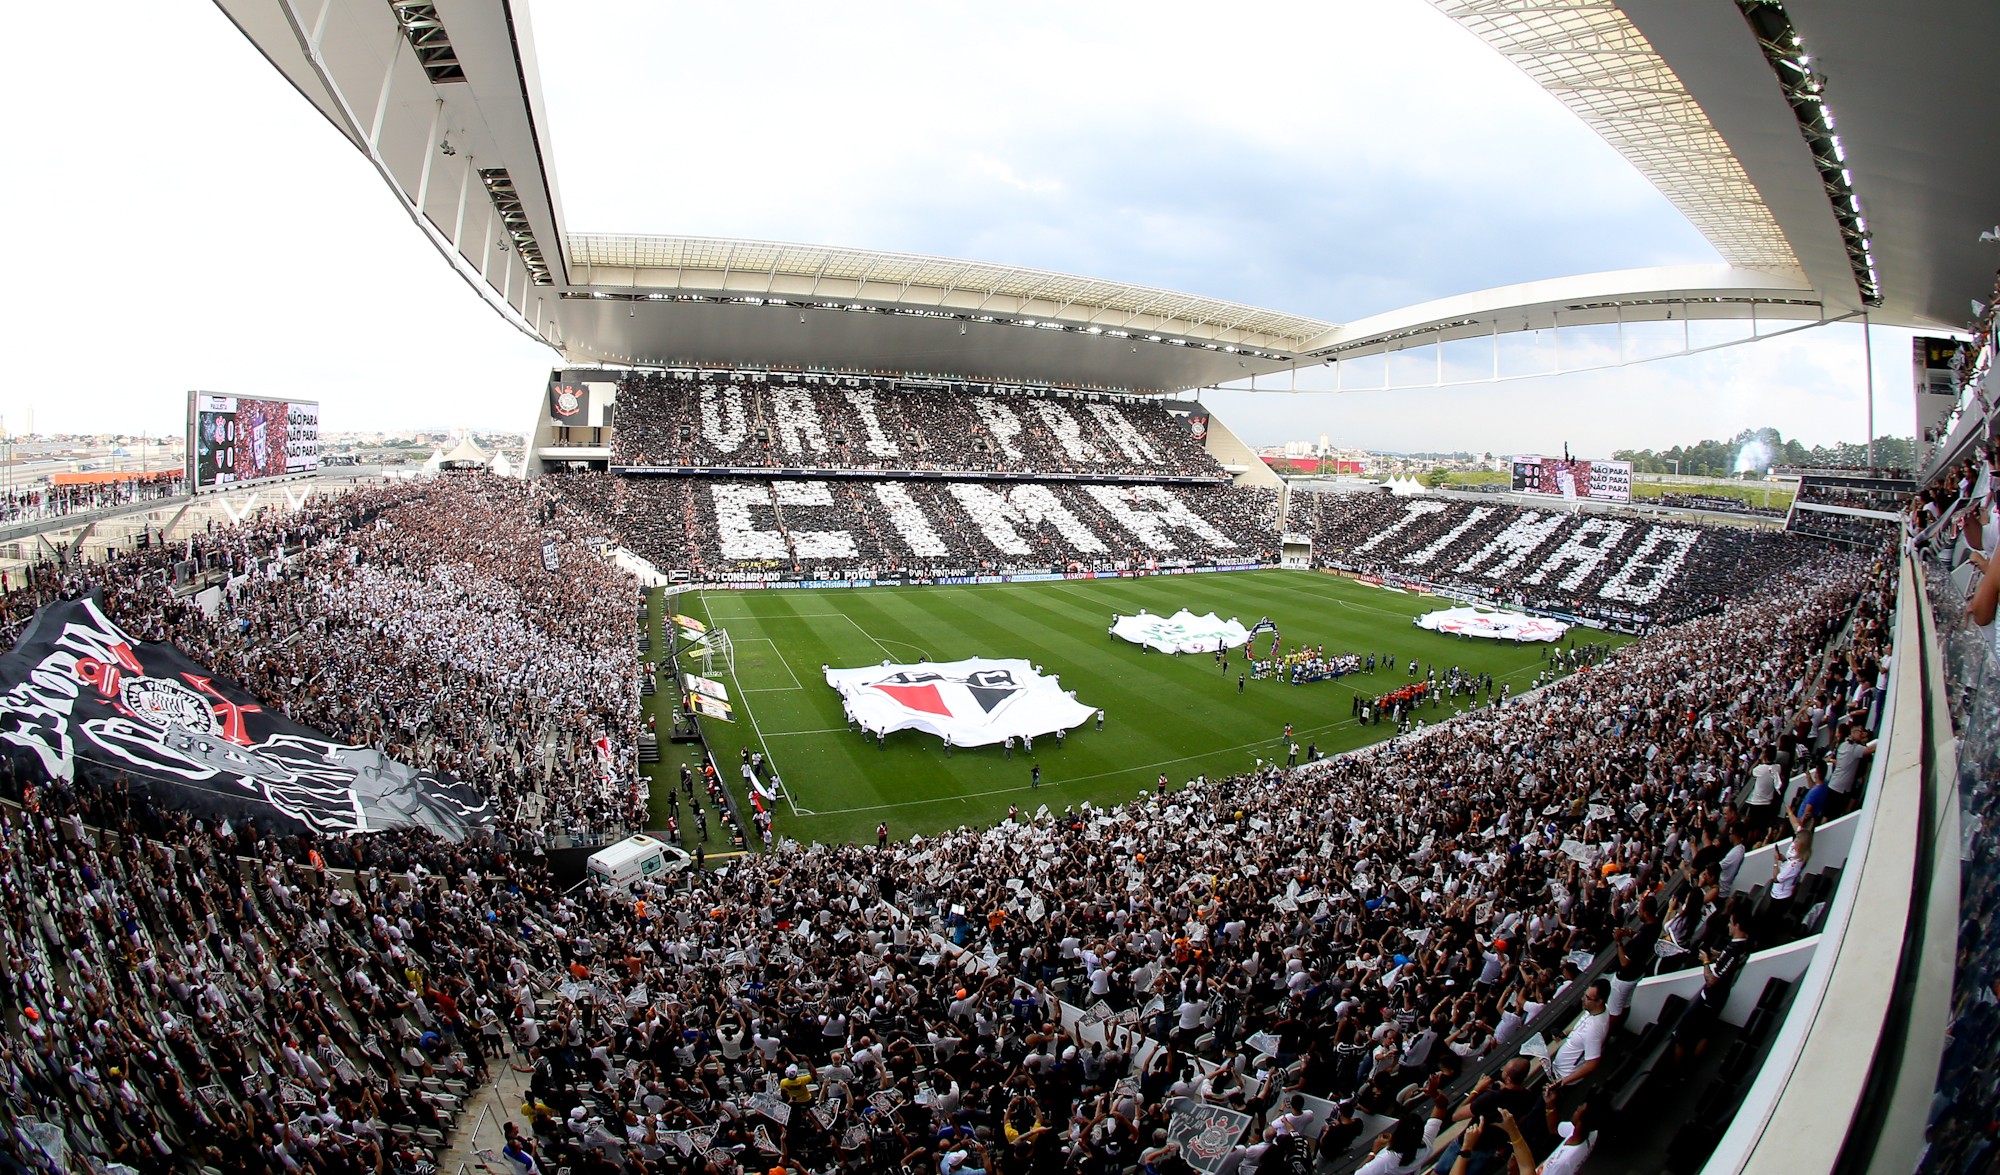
(971, 703)
(1496, 625)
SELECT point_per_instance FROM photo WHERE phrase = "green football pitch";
(1181, 716)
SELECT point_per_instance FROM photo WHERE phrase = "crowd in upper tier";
(1855, 493)
(1357, 929)
(33, 503)
(841, 422)
(1841, 528)
(1718, 504)
(733, 529)
(1615, 567)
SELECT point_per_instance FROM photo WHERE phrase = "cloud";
(996, 169)
(1336, 160)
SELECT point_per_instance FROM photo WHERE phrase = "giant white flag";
(1183, 632)
(974, 703)
(1486, 622)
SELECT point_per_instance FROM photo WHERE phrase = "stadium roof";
(977, 287)
(1729, 108)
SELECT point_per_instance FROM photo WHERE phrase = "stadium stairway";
(477, 1138)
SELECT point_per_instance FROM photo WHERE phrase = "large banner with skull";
(84, 699)
(971, 703)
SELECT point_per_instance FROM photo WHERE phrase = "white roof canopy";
(444, 100)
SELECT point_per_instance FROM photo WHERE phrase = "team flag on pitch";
(972, 703)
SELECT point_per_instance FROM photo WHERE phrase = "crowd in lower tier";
(1358, 929)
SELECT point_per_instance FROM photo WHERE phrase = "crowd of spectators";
(416, 618)
(1622, 569)
(180, 997)
(1718, 504)
(1878, 472)
(1359, 929)
(839, 422)
(734, 529)
(1850, 529)
(1953, 521)
(34, 503)
(1855, 493)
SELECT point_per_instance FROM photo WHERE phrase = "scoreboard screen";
(1605, 481)
(238, 439)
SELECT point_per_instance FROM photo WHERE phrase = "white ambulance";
(635, 859)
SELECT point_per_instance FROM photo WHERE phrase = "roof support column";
(1868, 361)
(486, 248)
(388, 76)
(430, 153)
(319, 28)
(458, 223)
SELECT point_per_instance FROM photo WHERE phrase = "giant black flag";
(82, 698)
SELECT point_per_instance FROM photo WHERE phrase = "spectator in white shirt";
(1573, 1060)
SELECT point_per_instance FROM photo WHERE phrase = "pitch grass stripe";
(776, 657)
(1165, 713)
(1190, 706)
(1057, 785)
(809, 637)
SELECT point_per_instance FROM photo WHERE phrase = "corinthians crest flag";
(973, 703)
(79, 697)
(1183, 632)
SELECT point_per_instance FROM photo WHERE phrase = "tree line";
(1758, 449)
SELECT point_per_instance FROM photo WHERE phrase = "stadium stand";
(430, 629)
(1717, 505)
(184, 997)
(1618, 569)
(719, 529)
(711, 420)
(1857, 508)
(1856, 493)
(1951, 520)
(1850, 530)
(39, 502)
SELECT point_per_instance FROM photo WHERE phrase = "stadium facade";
(1817, 145)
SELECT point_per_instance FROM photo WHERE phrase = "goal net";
(716, 651)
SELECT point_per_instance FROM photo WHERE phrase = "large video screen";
(235, 439)
(1606, 481)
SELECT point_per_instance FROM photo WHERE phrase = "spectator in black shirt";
(1484, 1104)
(1719, 970)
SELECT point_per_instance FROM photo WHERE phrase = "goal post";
(718, 650)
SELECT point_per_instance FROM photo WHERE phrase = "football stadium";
(883, 714)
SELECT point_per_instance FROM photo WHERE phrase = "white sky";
(185, 220)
